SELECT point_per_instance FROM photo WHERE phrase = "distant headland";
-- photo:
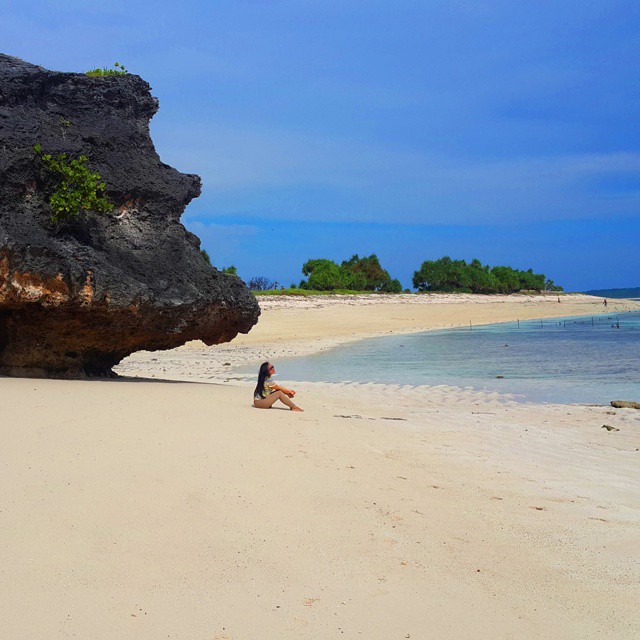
(631, 292)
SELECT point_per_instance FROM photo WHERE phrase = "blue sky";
(507, 131)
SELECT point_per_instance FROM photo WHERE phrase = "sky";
(499, 130)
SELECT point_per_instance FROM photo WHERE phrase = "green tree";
(549, 285)
(446, 274)
(531, 281)
(393, 286)
(375, 277)
(482, 280)
(355, 274)
(507, 278)
(326, 275)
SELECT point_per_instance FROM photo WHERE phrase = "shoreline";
(497, 372)
(300, 327)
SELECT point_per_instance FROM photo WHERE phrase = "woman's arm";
(288, 392)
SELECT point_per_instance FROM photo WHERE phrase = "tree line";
(443, 275)
(446, 274)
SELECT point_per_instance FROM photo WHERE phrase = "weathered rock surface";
(76, 300)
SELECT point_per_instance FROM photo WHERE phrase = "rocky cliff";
(77, 298)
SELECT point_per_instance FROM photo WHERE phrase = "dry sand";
(150, 509)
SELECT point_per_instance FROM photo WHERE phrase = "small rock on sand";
(625, 404)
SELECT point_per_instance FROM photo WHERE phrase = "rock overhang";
(76, 300)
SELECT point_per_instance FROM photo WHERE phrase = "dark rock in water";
(76, 300)
(625, 404)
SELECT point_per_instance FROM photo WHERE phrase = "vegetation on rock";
(75, 189)
(206, 256)
(118, 70)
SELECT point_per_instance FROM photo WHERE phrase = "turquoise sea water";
(592, 359)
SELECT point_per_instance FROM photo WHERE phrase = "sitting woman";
(267, 392)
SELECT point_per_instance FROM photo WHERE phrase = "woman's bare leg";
(267, 403)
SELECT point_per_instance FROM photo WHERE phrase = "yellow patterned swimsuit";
(268, 388)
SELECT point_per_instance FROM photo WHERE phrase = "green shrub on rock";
(76, 189)
(118, 70)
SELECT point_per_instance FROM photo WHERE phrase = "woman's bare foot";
(296, 409)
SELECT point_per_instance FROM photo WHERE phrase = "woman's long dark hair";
(263, 374)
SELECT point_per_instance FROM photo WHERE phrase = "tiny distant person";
(559, 301)
(605, 302)
(268, 392)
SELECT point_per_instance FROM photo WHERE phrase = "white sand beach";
(167, 507)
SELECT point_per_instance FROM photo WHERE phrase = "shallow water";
(591, 359)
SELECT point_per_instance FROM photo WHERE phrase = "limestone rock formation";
(76, 299)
